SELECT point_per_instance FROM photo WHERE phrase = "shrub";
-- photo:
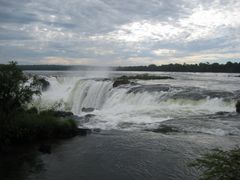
(30, 126)
(15, 89)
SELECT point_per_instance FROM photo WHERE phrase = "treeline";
(47, 67)
(58, 67)
(201, 67)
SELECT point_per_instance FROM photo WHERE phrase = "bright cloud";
(202, 23)
(144, 31)
(164, 52)
(119, 32)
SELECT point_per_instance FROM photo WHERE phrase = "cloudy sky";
(119, 32)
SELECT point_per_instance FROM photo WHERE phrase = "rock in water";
(87, 109)
(83, 131)
(88, 116)
(97, 130)
(238, 106)
(45, 84)
(222, 113)
(119, 82)
(165, 129)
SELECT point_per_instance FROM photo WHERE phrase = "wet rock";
(87, 109)
(88, 116)
(124, 125)
(222, 113)
(165, 129)
(45, 84)
(119, 82)
(45, 148)
(238, 106)
(102, 79)
(83, 131)
(85, 119)
(97, 130)
(145, 77)
(75, 117)
(150, 88)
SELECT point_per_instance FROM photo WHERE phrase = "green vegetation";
(201, 67)
(219, 164)
(15, 89)
(29, 126)
(19, 124)
(121, 81)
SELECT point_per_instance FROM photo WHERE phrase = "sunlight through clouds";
(202, 23)
(144, 31)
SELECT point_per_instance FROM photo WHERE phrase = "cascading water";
(131, 105)
(89, 94)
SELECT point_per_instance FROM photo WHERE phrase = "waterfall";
(142, 104)
(89, 94)
(75, 93)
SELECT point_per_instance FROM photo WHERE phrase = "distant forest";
(201, 67)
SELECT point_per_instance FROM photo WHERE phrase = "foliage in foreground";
(29, 126)
(219, 165)
(16, 89)
(18, 125)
